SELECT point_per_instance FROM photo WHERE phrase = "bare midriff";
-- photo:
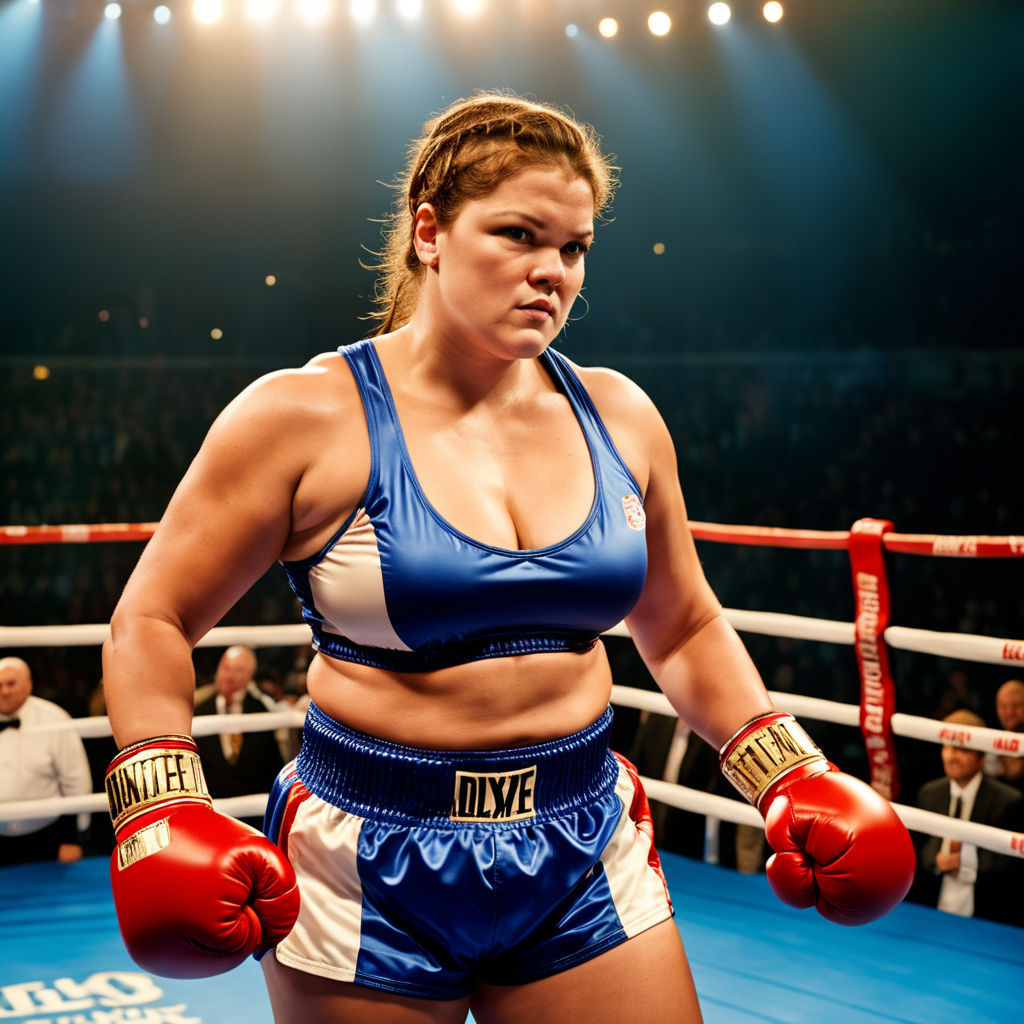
(493, 704)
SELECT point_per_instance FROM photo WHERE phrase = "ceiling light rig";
(315, 13)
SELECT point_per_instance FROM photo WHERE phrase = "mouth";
(540, 308)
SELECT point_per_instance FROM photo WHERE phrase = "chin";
(532, 351)
(531, 344)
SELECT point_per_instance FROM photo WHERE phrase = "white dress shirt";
(40, 764)
(956, 894)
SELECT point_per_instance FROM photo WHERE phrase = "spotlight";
(314, 12)
(659, 23)
(363, 11)
(608, 27)
(470, 8)
(719, 14)
(162, 14)
(409, 10)
(261, 10)
(207, 11)
(112, 11)
(772, 11)
(572, 31)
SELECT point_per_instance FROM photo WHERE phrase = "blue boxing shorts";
(424, 872)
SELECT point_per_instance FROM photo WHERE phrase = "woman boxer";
(461, 512)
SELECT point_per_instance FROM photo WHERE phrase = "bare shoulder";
(614, 393)
(632, 419)
(325, 377)
(321, 391)
(286, 460)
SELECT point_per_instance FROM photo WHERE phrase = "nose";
(548, 267)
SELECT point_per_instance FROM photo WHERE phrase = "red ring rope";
(939, 545)
(76, 533)
(949, 546)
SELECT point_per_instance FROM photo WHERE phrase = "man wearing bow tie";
(37, 764)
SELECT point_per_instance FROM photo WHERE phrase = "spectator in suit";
(1010, 711)
(238, 764)
(38, 766)
(963, 878)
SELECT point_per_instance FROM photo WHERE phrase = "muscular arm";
(692, 652)
(229, 519)
(838, 845)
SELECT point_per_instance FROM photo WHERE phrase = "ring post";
(877, 690)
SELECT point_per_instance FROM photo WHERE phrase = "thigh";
(646, 977)
(297, 996)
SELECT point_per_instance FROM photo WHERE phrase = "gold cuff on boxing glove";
(151, 772)
(769, 746)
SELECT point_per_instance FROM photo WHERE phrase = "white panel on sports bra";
(348, 588)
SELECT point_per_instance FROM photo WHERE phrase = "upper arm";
(677, 599)
(231, 514)
(694, 655)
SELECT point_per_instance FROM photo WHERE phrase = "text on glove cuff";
(153, 775)
(763, 751)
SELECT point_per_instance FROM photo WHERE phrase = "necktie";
(234, 738)
(10, 723)
(958, 807)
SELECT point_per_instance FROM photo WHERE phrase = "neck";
(454, 371)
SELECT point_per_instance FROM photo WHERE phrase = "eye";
(517, 234)
(575, 250)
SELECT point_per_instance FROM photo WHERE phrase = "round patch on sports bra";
(636, 518)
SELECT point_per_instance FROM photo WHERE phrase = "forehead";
(553, 196)
(12, 674)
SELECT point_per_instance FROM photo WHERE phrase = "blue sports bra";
(399, 588)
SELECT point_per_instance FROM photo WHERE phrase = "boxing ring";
(753, 958)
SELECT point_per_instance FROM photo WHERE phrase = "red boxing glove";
(838, 844)
(196, 891)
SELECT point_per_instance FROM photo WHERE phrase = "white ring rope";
(962, 646)
(993, 741)
(294, 634)
(990, 741)
(984, 836)
(966, 647)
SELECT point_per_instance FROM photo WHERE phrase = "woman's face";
(510, 265)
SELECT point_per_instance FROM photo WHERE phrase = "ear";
(424, 235)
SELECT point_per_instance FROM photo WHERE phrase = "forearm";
(711, 681)
(148, 679)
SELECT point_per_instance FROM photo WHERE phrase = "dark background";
(832, 331)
